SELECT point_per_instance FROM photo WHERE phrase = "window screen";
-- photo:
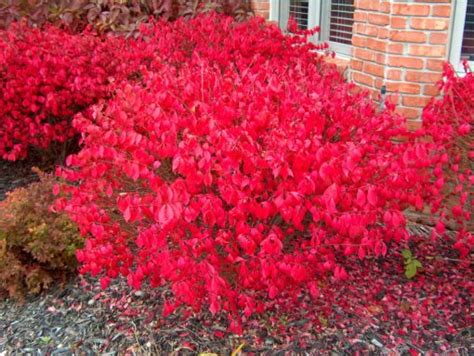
(467, 50)
(341, 21)
(299, 11)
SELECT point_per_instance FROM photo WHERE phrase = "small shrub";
(49, 75)
(448, 122)
(411, 263)
(37, 246)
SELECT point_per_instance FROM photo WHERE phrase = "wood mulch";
(82, 319)
(14, 175)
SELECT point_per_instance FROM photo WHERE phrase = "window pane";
(467, 51)
(299, 11)
(341, 21)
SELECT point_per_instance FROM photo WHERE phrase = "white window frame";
(279, 12)
(457, 34)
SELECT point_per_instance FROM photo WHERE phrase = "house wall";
(401, 44)
(261, 8)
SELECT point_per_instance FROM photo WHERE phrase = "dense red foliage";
(448, 122)
(241, 169)
(47, 76)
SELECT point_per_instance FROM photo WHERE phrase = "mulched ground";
(378, 311)
(15, 174)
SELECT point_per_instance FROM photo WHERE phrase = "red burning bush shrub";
(239, 170)
(448, 121)
(47, 76)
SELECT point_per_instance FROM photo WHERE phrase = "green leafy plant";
(411, 264)
(37, 246)
(45, 340)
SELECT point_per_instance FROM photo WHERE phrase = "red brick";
(442, 10)
(407, 88)
(408, 36)
(260, 5)
(359, 41)
(422, 77)
(418, 101)
(405, 62)
(367, 4)
(378, 19)
(398, 22)
(384, 7)
(360, 16)
(383, 33)
(374, 69)
(397, 48)
(435, 64)
(414, 125)
(380, 58)
(427, 51)
(356, 89)
(363, 78)
(361, 4)
(376, 44)
(373, 93)
(378, 83)
(262, 13)
(365, 29)
(429, 24)
(431, 90)
(410, 113)
(410, 9)
(341, 64)
(363, 54)
(356, 64)
(439, 38)
(394, 74)
(393, 98)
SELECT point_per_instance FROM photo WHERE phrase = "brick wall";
(261, 8)
(402, 45)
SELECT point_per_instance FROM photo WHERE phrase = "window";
(302, 11)
(467, 49)
(338, 29)
(341, 21)
(462, 34)
(335, 17)
(299, 10)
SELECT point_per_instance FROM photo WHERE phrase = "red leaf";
(360, 198)
(372, 196)
(127, 214)
(166, 214)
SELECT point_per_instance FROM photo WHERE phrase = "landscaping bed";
(81, 318)
(84, 319)
(230, 192)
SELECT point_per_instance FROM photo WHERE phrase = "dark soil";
(15, 174)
